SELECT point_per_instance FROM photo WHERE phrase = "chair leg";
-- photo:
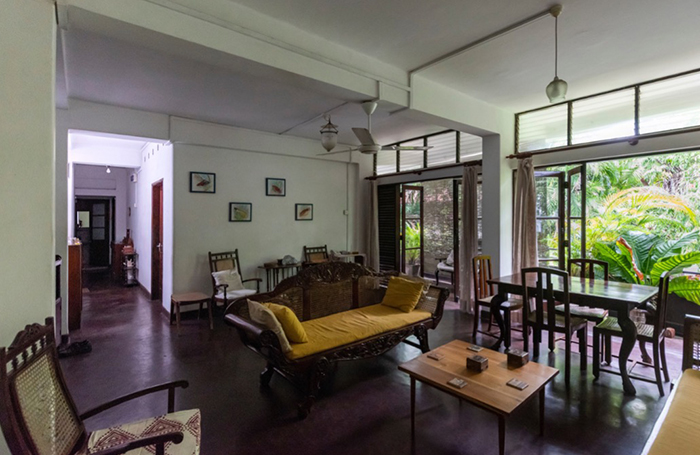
(437, 278)
(526, 337)
(506, 323)
(643, 348)
(567, 359)
(488, 329)
(551, 340)
(476, 320)
(596, 354)
(536, 339)
(657, 369)
(608, 348)
(663, 358)
(583, 347)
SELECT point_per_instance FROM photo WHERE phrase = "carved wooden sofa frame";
(319, 291)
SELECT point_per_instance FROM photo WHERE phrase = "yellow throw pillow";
(289, 321)
(402, 294)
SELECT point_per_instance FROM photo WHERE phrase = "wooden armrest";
(262, 335)
(169, 386)
(221, 286)
(174, 437)
(252, 279)
(440, 259)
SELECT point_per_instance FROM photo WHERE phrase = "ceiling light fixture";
(329, 135)
(109, 171)
(556, 90)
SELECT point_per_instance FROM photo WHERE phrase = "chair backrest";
(691, 342)
(37, 414)
(544, 294)
(227, 260)
(587, 267)
(661, 304)
(316, 254)
(481, 269)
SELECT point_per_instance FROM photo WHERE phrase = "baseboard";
(145, 291)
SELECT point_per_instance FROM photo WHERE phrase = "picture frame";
(202, 182)
(303, 212)
(275, 187)
(240, 212)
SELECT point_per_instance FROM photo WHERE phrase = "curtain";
(373, 234)
(469, 236)
(524, 213)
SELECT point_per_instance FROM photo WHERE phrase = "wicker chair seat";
(611, 325)
(576, 322)
(588, 313)
(188, 422)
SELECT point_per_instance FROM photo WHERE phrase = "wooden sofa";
(320, 295)
(676, 430)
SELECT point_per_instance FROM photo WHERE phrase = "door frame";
(404, 188)
(157, 240)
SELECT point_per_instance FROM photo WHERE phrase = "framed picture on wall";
(304, 212)
(202, 182)
(275, 187)
(240, 211)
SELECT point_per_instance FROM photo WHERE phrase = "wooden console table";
(274, 271)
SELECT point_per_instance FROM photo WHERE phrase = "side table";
(190, 298)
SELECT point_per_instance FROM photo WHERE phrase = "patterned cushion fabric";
(230, 277)
(188, 422)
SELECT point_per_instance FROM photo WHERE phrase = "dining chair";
(652, 333)
(586, 269)
(38, 415)
(315, 255)
(545, 316)
(484, 293)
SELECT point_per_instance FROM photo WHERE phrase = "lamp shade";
(556, 90)
(329, 136)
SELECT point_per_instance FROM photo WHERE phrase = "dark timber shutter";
(388, 205)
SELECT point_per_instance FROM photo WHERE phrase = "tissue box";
(517, 358)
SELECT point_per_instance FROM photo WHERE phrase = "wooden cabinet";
(75, 286)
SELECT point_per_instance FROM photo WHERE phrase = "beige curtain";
(469, 241)
(524, 224)
(373, 234)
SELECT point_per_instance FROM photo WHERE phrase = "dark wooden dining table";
(610, 295)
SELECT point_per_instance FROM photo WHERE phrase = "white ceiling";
(603, 45)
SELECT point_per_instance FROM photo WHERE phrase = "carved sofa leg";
(317, 376)
(421, 333)
(266, 375)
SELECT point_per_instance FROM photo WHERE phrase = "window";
(543, 129)
(603, 117)
(444, 149)
(670, 104)
(411, 159)
(385, 162)
(470, 147)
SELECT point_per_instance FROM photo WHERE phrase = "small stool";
(189, 298)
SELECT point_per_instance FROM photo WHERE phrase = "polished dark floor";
(367, 411)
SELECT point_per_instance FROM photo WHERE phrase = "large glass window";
(444, 149)
(470, 147)
(670, 104)
(386, 162)
(411, 159)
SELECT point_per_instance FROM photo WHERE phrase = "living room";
(239, 91)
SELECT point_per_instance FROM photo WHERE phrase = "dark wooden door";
(412, 253)
(93, 226)
(157, 241)
(388, 205)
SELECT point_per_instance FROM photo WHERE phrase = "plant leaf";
(641, 245)
(619, 265)
(669, 247)
(674, 264)
(686, 287)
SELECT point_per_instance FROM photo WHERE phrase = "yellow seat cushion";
(290, 323)
(679, 430)
(402, 294)
(349, 326)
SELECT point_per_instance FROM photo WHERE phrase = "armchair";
(219, 262)
(38, 415)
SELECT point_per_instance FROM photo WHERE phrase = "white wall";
(27, 173)
(94, 181)
(157, 164)
(201, 220)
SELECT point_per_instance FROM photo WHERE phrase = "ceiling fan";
(368, 144)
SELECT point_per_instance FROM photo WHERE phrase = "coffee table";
(487, 389)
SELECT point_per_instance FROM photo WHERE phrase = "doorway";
(94, 226)
(157, 241)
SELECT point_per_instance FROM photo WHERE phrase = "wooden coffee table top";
(486, 389)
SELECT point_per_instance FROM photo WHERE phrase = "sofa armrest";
(253, 334)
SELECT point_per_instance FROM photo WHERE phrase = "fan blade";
(395, 147)
(364, 136)
(338, 151)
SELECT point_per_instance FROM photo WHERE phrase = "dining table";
(614, 296)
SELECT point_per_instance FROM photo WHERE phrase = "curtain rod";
(420, 171)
